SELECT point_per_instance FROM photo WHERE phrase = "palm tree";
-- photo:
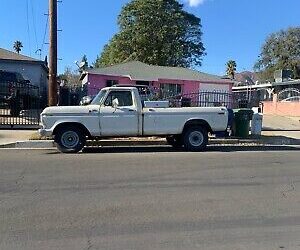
(231, 69)
(18, 46)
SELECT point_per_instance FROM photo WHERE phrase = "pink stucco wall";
(97, 82)
(281, 108)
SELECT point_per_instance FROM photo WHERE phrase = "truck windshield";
(99, 97)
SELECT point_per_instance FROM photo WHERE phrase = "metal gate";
(20, 105)
(289, 95)
(203, 99)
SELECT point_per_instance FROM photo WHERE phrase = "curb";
(45, 144)
(48, 144)
(8, 145)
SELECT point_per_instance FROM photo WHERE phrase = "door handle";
(93, 111)
(152, 110)
(131, 110)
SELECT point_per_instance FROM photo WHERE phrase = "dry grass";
(36, 137)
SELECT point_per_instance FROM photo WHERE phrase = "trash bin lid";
(243, 114)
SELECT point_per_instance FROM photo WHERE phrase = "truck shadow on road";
(168, 149)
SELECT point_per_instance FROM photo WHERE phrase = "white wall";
(35, 73)
(211, 87)
(214, 99)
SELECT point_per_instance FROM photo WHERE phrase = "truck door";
(121, 120)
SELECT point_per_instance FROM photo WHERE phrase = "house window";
(170, 89)
(110, 83)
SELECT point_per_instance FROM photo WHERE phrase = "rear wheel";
(70, 139)
(195, 139)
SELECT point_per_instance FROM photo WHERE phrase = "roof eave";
(117, 75)
(216, 81)
(42, 63)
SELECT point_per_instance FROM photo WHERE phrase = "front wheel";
(70, 140)
(195, 139)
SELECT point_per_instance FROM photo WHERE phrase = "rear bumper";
(45, 132)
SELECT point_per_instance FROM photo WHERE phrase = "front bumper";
(45, 132)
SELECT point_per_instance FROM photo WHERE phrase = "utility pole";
(52, 89)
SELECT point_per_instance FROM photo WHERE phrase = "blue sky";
(233, 29)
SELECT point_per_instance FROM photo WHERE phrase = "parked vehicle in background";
(292, 99)
(119, 112)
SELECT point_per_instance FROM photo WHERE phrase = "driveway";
(277, 123)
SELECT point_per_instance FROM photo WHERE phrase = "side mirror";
(115, 103)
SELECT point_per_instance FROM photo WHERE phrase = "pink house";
(170, 80)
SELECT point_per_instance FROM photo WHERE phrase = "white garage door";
(207, 87)
(214, 95)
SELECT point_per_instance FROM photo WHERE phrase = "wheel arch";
(197, 122)
(71, 124)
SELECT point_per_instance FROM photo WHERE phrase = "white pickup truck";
(119, 112)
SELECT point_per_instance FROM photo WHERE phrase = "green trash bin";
(241, 125)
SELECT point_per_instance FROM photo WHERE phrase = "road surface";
(150, 198)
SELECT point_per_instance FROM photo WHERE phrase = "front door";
(121, 120)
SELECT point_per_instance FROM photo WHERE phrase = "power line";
(45, 33)
(28, 26)
(34, 24)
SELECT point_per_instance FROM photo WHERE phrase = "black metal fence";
(20, 105)
(250, 98)
(70, 96)
(203, 99)
(289, 95)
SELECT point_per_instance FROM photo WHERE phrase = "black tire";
(70, 139)
(175, 141)
(195, 139)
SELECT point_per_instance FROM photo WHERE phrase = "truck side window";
(124, 98)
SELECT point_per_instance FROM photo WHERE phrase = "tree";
(18, 46)
(157, 32)
(281, 50)
(231, 69)
(70, 77)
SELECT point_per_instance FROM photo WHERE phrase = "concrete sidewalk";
(12, 136)
(288, 134)
(278, 123)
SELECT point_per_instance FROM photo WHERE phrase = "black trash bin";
(241, 125)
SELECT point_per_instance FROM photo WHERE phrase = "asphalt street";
(150, 198)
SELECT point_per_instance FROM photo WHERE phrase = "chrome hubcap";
(196, 138)
(70, 139)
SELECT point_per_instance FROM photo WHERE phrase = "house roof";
(9, 55)
(136, 70)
